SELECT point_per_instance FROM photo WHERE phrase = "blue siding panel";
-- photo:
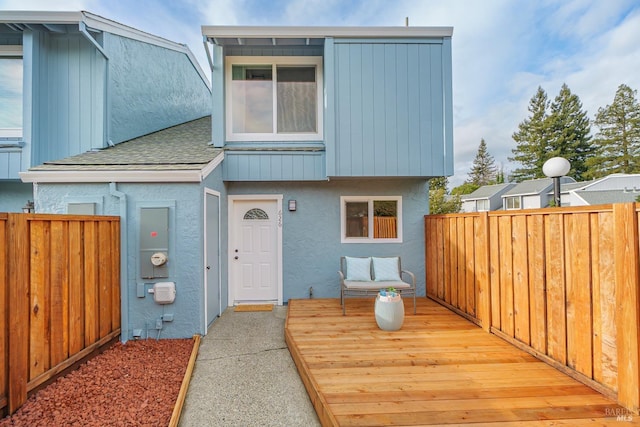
(330, 106)
(268, 166)
(447, 62)
(392, 107)
(414, 148)
(437, 127)
(379, 105)
(367, 111)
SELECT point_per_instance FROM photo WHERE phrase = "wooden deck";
(438, 369)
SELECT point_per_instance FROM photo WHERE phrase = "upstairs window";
(274, 98)
(371, 219)
(482, 205)
(512, 202)
(10, 92)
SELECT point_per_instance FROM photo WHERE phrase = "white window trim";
(506, 203)
(273, 60)
(370, 200)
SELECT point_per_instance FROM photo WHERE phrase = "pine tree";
(484, 168)
(618, 140)
(569, 137)
(532, 139)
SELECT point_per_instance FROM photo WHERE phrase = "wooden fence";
(559, 283)
(59, 296)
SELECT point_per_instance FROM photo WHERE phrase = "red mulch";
(135, 384)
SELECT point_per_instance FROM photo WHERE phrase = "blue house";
(74, 82)
(320, 143)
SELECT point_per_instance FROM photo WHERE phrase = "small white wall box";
(163, 292)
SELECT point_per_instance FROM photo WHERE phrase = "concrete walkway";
(244, 376)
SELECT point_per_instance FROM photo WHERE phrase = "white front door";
(254, 250)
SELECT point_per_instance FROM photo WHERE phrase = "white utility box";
(163, 292)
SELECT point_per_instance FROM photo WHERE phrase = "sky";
(503, 50)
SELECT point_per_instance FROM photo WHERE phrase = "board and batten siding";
(67, 95)
(389, 107)
(265, 166)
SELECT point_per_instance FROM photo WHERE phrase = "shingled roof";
(182, 147)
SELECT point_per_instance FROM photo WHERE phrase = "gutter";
(124, 267)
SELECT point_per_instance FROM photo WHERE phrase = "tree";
(618, 140)
(532, 139)
(570, 129)
(465, 188)
(561, 130)
(484, 168)
(440, 202)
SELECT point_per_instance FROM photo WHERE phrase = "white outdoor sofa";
(363, 276)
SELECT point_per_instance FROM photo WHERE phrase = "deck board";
(438, 369)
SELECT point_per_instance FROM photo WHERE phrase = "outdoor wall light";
(292, 205)
(554, 168)
(29, 207)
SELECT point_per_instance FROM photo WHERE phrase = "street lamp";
(554, 168)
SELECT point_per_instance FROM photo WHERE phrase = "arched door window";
(256, 213)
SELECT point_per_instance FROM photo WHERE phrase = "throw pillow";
(358, 269)
(386, 269)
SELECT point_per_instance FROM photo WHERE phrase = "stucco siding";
(151, 88)
(311, 235)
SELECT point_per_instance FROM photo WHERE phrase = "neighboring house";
(74, 82)
(485, 198)
(615, 188)
(323, 142)
(531, 194)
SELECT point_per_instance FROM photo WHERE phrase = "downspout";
(124, 267)
(107, 98)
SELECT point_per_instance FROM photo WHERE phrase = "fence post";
(18, 247)
(626, 251)
(482, 271)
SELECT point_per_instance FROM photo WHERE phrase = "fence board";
(40, 333)
(579, 322)
(18, 307)
(506, 275)
(520, 280)
(494, 273)
(453, 255)
(104, 278)
(606, 354)
(91, 330)
(462, 264)
(59, 267)
(556, 313)
(537, 287)
(470, 280)
(76, 290)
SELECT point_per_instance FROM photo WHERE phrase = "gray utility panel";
(154, 242)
